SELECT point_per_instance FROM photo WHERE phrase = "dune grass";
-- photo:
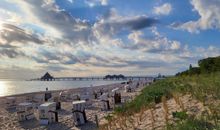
(193, 124)
(200, 86)
(204, 87)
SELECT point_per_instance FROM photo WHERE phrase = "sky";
(100, 37)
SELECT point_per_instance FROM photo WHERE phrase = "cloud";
(12, 38)
(10, 53)
(55, 68)
(210, 51)
(7, 46)
(61, 25)
(115, 23)
(92, 3)
(15, 72)
(70, 28)
(164, 9)
(159, 44)
(57, 57)
(141, 64)
(11, 33)
(209, 17)
(104, 2)
(55, 21)
(120, 62)
(90, 60)
(48, 38)
(71, 1)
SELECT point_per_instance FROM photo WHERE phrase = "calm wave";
(10, 87)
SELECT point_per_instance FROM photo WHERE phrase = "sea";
(13, 87)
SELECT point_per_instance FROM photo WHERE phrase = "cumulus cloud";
(54, 21)
(70, 28)
(49, 38)
(157, 45)
(71, 1)
(104, 2)
(164, 9)
(91, 60)
(209, 17)
(210, 51)
(93, 3)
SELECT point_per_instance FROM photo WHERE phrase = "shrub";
(180, 115)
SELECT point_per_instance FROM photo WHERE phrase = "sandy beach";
(9, 119)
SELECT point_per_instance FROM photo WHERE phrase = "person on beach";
(101, 91)
(78, 97)
(137, 85)
(95, 94)
(48, 95)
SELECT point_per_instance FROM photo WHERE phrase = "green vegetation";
(108, 117)
(200, 86)
(180, 115)
(203, 83)
(192, 124)
(210, 65)
(206, 66)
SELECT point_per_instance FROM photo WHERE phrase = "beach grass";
(204, 87)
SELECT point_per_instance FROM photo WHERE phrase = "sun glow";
(1, 26)
(3, 88)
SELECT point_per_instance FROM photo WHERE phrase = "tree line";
(206, 66)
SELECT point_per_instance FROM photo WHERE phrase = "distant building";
(117, 77)
(47, 77)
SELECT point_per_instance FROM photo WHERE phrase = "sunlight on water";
(12, 87)
(3, 88)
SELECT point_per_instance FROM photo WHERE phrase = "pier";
(48, 77)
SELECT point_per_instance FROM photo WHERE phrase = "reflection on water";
(18, 87)
(3, 88)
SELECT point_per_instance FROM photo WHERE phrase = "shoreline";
(55, 91)
(93, 107)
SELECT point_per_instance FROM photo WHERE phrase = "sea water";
(12, 87)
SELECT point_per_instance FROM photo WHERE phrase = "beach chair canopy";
(115, 90)
(104, 96)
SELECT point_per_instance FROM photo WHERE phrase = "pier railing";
(92, 78)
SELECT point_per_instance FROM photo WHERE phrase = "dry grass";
(165, 107)
(153, 119)
(142, 113)
(204, 88)
(176, 97)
